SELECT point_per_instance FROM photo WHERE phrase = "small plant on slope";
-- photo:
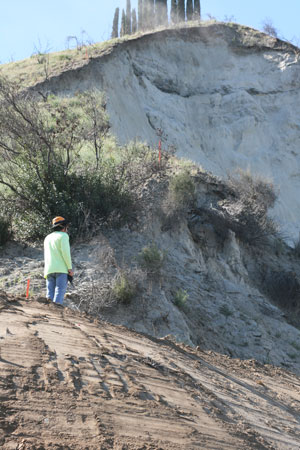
(180, 298)
(123, 289)
(181, 190)
(152, 259)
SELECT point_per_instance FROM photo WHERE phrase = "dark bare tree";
(269, 28)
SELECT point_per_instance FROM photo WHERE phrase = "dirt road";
(69, 382)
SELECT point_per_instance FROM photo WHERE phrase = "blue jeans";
(57, 286)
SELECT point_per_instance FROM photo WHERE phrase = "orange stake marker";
(27, 290)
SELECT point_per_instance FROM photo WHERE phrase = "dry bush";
(95, 297)
(181, 191)
(254, 196)
(139, 163)
(103, 294)
(244, 210)
(152, 259)
(179, 200)
(124, 288)
(244, 184)
(269, 28)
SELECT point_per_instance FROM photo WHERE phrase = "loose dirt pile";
(70, 382)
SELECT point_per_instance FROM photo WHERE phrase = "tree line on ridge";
(154, 13)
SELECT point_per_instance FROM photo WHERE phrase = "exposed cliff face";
(224, 96)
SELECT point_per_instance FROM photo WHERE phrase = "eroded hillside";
(198, 261)
(197, 273)
(225, 96)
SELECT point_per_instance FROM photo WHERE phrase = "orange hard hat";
(58, 221)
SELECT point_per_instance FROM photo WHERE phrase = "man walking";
(58, 263)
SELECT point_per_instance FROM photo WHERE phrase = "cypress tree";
(189, 9)
(133, 22)
(197, 10)
(164, 7)
(161, 12)
(181, 10)
(123, 24)
(157, 12)
(145, 15)
(140, 15)
(115, 29)
(128, 17)
(174, 16)
(150, 11)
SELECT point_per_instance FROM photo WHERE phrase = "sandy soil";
(69, 382)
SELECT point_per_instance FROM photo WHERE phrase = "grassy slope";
(39, 67)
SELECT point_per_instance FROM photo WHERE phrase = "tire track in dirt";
(68, 381)
(208, 399)
(141, 391)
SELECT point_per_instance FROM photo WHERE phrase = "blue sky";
(43, 25)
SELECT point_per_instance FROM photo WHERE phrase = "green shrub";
(180, 298)
(54, 161)
(42, 166)
(139, 162)
(181, 190)
(123, 288)
(179, 200)
(87, 198)
(152, 259)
